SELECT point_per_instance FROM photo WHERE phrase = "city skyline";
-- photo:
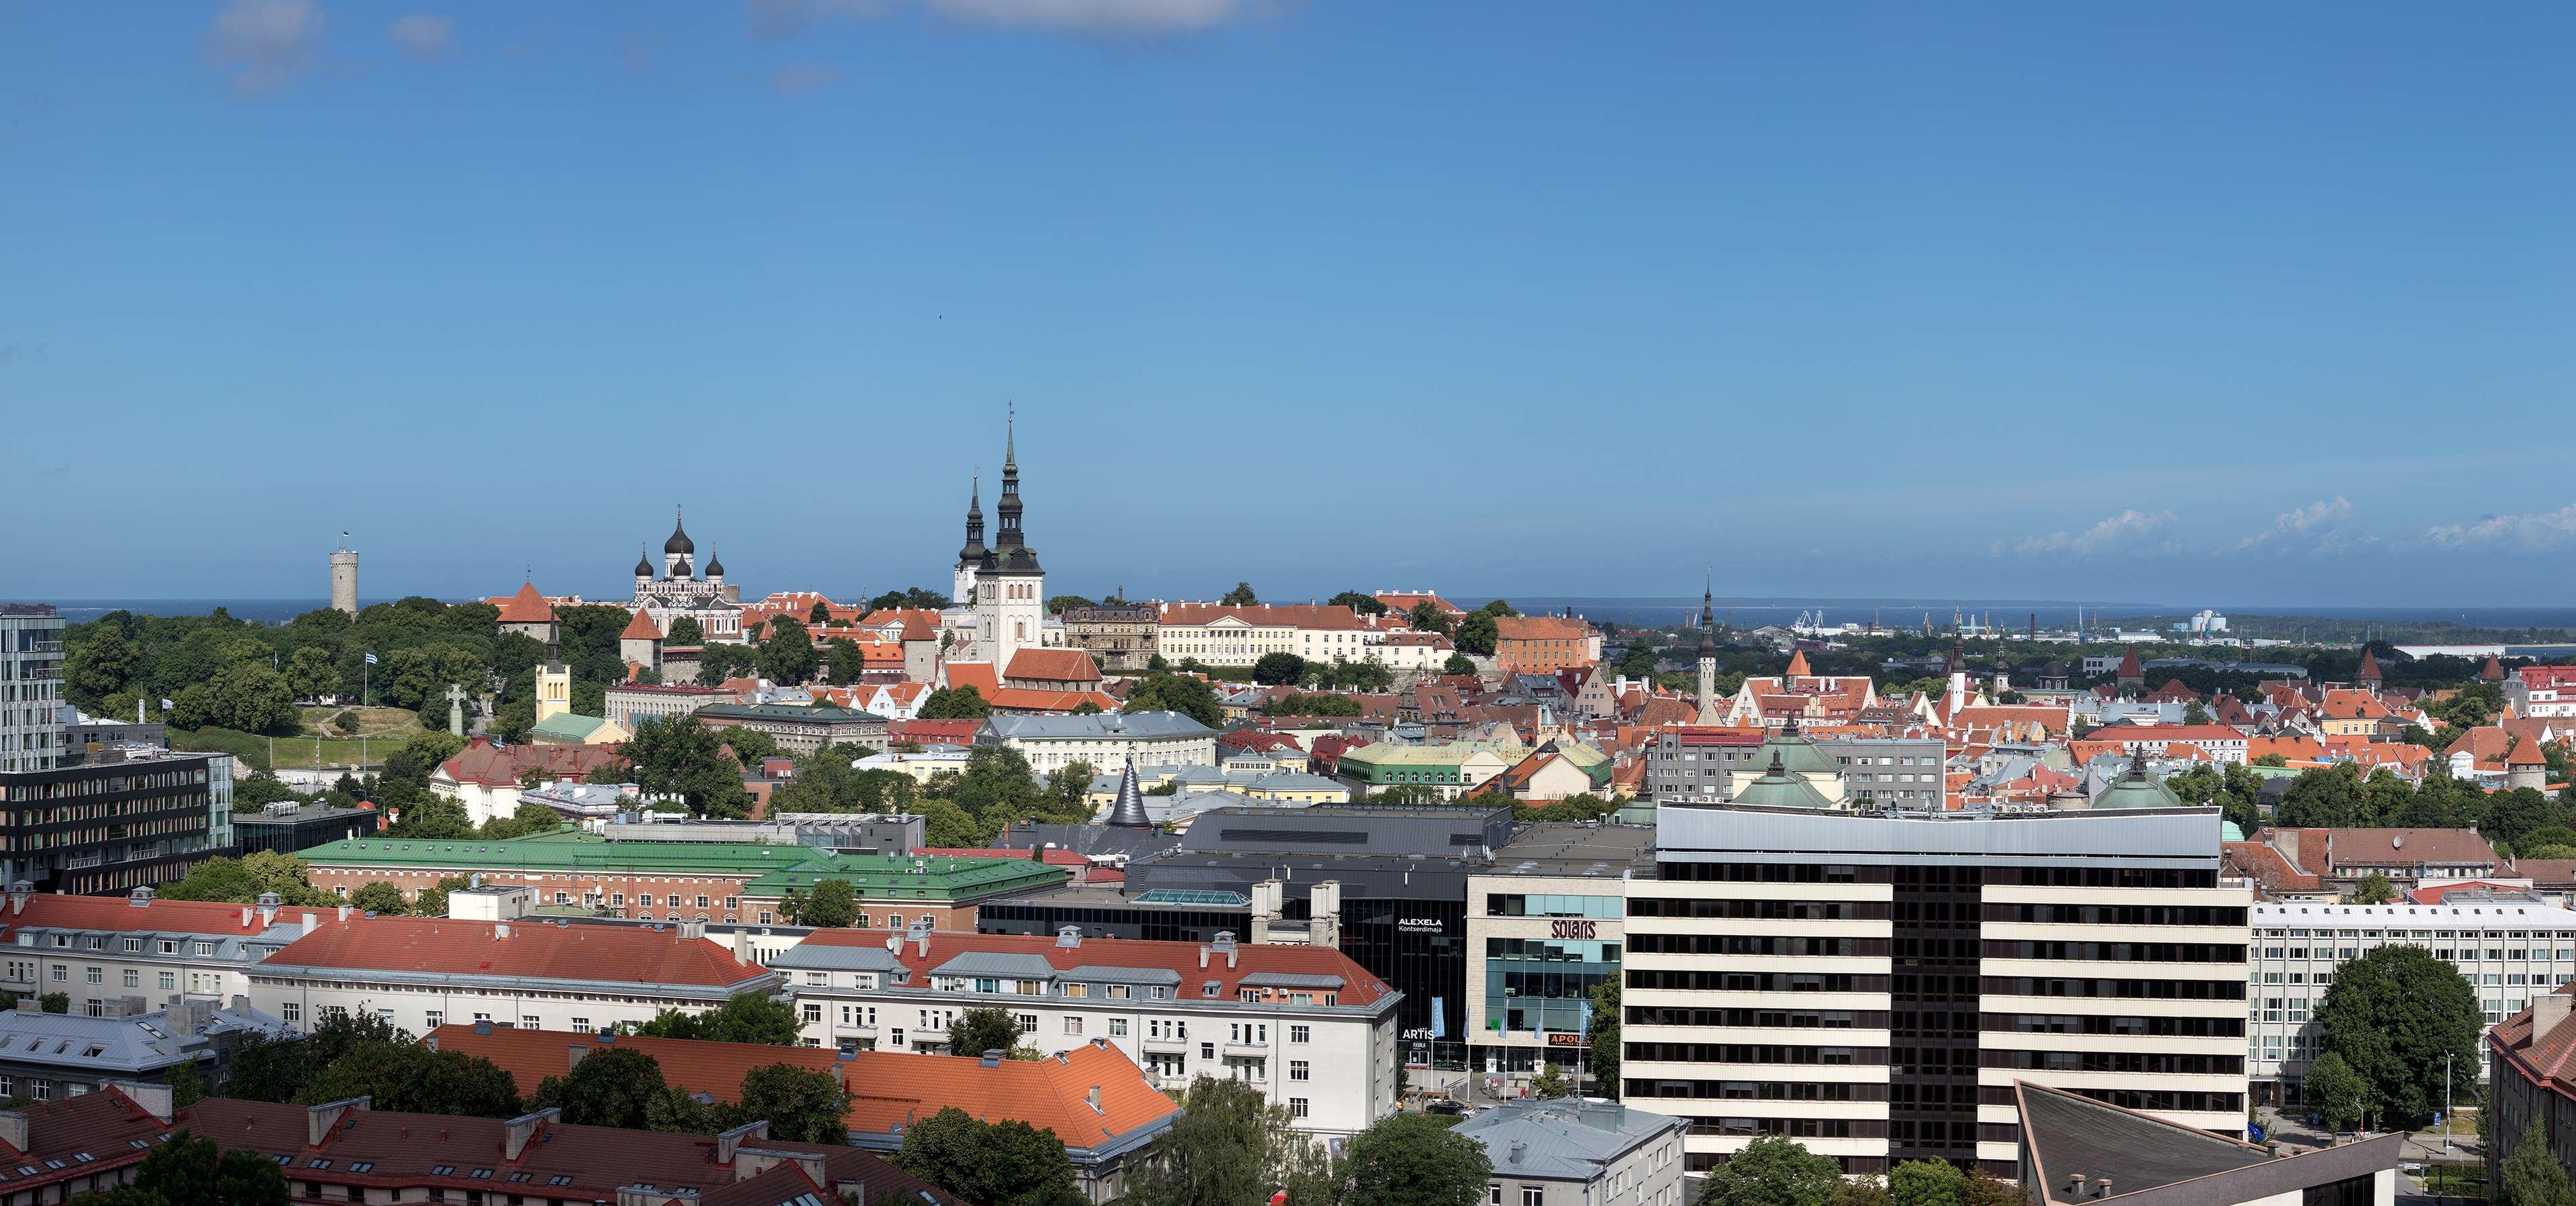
(1857, 304)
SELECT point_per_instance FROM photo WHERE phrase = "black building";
(112, 826)
(289, 828)
(1402, 875)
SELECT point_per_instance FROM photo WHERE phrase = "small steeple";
(1128, 810)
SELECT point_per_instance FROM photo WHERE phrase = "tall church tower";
(1709, 712)
(971, 557)
(554, 687)
(1010, 589)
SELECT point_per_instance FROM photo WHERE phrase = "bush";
(252, 750)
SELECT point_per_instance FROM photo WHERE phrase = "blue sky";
(2237, 304)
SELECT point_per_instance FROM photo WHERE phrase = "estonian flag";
(371, 659)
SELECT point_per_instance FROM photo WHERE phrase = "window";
(1207, 1051)
(702, 901)
(291, 1012)
(1494, 1195)
(529, 1020)
(436, 1017)
(1117, 1027)
(1072, 1024)
(1028, 1023)
(1296, 1069)
(813, 1011)
(62, 973)
(1533, 1195)
(617, 900)
(1298, 1034)
(133, 978)
(733, 902)
(1296, 1107)
(581, 1024)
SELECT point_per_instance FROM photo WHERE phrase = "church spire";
(974, 548)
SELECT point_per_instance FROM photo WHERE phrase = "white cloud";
(1097, 16)
(2538, 531)
(2130, 531)
(788, 18)
(422, 35)
(2323, 526)
(797, 78)
(264, 44)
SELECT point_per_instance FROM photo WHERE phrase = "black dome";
(679, 541)
(643, 565)
(715, 566)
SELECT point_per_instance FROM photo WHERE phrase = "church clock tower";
(1010, 589)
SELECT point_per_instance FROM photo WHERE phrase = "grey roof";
(810, 956)
(1102, 726)
(1563, 1140)
(2185, 838)
(2158, 1163)
(1095, 973)
(1343, 829)
(1018, 966)
(1291, 980)
(288, 814)
(1293, 781)
(128, 1045)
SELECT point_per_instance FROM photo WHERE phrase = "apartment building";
(100, 951)
(1218, 634)
(631, 704)
(1579, 1153)
(420, 973)
(31, 688)
(1873, 986)
(1702, 765)
(1544, 644)
(1106, 741)
(2510, 952)
(2536, 691)
(133, 818)
(1311, 1029)
(2531, 1078)
(799, 728)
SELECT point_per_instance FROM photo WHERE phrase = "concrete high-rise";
(344, 579)
(31, 686)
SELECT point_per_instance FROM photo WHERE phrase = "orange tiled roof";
(1053, 665)
(486, 765)
(527, 607)
(640, 628)
(118, 914)
(1539, 628)
(446, 946)
(888, 1089)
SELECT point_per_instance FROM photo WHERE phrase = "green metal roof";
(1780, 787)
(804, 713)
(568, 724)
(1798, 754)
(879, 876)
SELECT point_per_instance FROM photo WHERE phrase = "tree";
(1068, 790)
(311, 673)
(845, 661)
(946, 826)
(675, 756)
(2373, 889)
(685, 632)
(1426, 616)
(2393, 1014)
(432, 901)
(2532, 1175)
(1241, 596)
(244, 880)
(1275, 669)
(1414, 1160)
(831, 905)
(1056, 605)
(1458, 663)
(1366, 605)
(954, 703)
(2327, 797)
(800, 1106)
(611, 1086)
(1191, 697)
(1231, 1145)
(749, 1018)
(1982, 1188)
(1549, 1084)
(1924, 1183)
(190, 1170)
(99, 665)
(381, 898)
(819, 615)
(413, 1079)
(787, 653)
(1605, 1037)
(2335, 1092)
(977, 1031)
(1772, 1171)
(1006, 1163)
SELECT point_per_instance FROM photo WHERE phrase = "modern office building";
(1874, 986)
(2510, 952)
(136, 819)
(289, 828)
(1544, 929)
(31, 687)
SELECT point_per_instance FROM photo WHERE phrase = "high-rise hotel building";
(1872, 985)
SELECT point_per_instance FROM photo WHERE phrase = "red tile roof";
(527, 607)
(592, 953)
(486, 765)
(2548, 1059)
(640, 628)
(888, 1089)
(1797, 666)
(1262, 615)
(933, 732)
(101, 1126)
(1539, 628)
(405, 1151)
(1053, 665)
(117, 914)
(1359, 986)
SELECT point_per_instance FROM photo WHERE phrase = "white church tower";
(1010, 589)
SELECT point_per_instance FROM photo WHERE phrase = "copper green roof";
(1780, 788)
(805, 713)
(1799, 755)
(2138, 789)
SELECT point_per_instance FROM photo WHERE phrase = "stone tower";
(1709, 712)
(344, 578)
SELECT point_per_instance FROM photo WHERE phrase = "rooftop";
(2069, 1136)
(1568, 1139)
(1096, 958)
(1573, 848)
(576, 851)
(1103, 726)
(442, 946)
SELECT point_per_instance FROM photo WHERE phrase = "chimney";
(2102, 1188)
(28, 1005)
(992, 1057)
(518, 1131)
(852, 1191)
(482, 1025)
(245, 917)
(154, 1098)
(742, 951)
(2547, 1011)
(692, 931)
(573, 1053)
(1225, 945)
(312, 920)
(500, 930)
(18, 894)
(140, 898)
(2075, 1187)
(1068, 937)
(1518, 1148)
(344, 912)
(318, 1120)
(13, 1128)
(268, 902)
(731, 1141)
(1203, 958)
(1093, 1096)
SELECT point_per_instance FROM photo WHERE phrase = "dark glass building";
(111, 826)
(288, 828)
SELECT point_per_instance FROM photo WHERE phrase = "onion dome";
(679, 541)
(643, 564)
(715, 565)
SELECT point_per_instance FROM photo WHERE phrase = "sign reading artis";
(1573, 927)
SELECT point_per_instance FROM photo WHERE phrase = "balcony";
(1248, 1050)
(1170, 1046)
